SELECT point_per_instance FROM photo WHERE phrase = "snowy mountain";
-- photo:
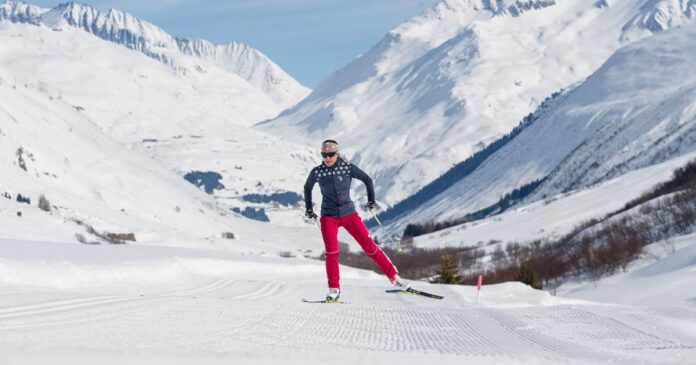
(193, 118)
(446, 84)
(124, 29)
(636, 111)
(50, 148)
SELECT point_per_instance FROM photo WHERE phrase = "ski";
(415, 292)
(323, 301)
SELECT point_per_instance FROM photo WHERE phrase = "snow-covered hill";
(192, 118)
(124, 29)
(637, 110)
(650, 281)
(49, 147)
(557, 215)
(443, 85)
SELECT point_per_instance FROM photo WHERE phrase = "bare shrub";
(113, 238)
(286, 254)
(120, 237)
(668, 245)
(498, 256)
(44, 204)
(80, 238)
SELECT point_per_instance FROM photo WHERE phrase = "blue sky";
(307, 38)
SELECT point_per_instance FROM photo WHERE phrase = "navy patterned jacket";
(335, 182)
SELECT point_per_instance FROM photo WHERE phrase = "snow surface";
(663, 278)
(63, 303)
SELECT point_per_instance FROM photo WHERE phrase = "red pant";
(354, 225)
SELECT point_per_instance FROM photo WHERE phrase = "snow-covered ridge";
(125, 29)
(659, 15)
(113, 25)
(20, 12)
(251, 65)
(511, 7)
(497, 7)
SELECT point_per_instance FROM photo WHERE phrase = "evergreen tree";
(449, 270)
(529, 277)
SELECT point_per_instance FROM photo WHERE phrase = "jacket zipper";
(338, 192)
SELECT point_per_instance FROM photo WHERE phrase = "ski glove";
(371, 205)
(310, 214)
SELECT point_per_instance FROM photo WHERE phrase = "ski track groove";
(265, 291)
(82, 303)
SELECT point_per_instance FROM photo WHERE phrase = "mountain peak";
(497, 7)
(114, 25)
(127, 30)
(20, 12)
(659, 15)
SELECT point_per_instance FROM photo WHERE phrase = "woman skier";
(337, 210)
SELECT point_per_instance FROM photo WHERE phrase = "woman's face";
(329, 158)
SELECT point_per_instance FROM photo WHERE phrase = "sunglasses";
(328, 154)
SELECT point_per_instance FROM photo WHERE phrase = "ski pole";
(398, 246)
(375, 217)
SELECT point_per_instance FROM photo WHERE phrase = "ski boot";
(400, 283)
(333, 295)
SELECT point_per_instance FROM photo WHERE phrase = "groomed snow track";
(263, 319)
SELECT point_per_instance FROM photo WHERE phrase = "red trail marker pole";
(478, 288)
